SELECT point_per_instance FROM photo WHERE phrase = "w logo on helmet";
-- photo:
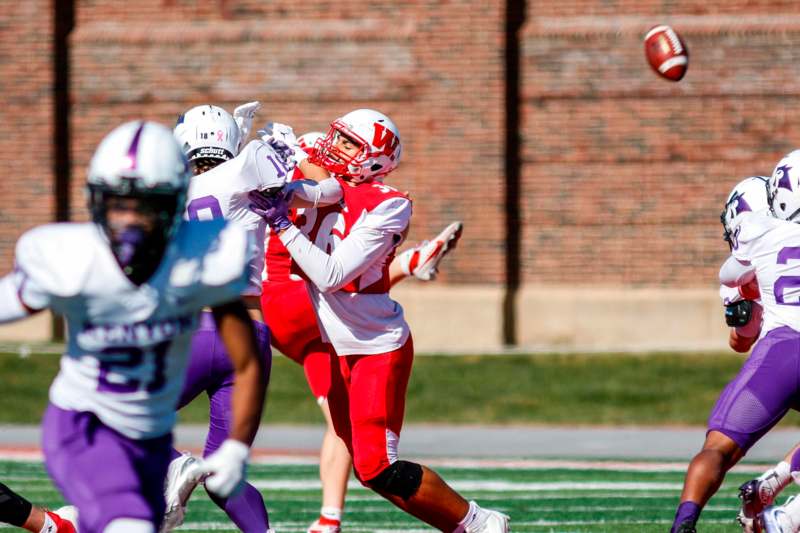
(384, 140)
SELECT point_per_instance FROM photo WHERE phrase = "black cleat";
(686, 527)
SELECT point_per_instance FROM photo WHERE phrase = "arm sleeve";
(734, 272)
(260, 168)
(11, 306)
(32, 276)
(370, 240)
(318, 194)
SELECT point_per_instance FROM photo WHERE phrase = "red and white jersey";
(277, 261)
(768, 248)
(128, 345)
(222, 193)
(344, 251)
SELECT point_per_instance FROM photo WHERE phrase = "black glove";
(738, 313)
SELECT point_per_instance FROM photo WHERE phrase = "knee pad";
(401, 478)
(129, 525)
(14, 509)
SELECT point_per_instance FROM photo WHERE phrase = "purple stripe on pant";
(103, 473)
(766, 387)
(210, 371)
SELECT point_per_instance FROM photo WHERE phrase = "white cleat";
(183, 476)
(775, 520)
(316, 527)
(68, 513)
(424, 262)
(495, 522)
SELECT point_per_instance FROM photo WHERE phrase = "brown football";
(666, 52)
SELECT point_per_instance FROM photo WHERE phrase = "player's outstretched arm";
(226, 466)
(310, 193)
(12, 308)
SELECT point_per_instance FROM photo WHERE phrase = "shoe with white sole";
(775, 520)
(66, 519)
(423, 260)
(490, 522)
(316, 527)
(183, 476)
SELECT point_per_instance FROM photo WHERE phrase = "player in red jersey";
(344, 250)
(295, 333)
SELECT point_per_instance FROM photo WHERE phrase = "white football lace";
(673, 39)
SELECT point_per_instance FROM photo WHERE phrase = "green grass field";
(649, 389)
(585, 499)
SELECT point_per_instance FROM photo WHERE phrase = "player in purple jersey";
(130, 285)
(762, 248)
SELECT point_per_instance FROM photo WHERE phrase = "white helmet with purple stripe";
(749, 195)
(142, 164)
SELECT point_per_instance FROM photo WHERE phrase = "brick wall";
(26, 85)
(435, 68)
(623, 174)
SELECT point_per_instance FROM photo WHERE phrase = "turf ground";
(553, 496)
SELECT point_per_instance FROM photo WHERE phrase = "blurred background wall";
(590, 188)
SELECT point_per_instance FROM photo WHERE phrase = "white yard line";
(262, 457)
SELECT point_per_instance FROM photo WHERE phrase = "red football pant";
(367, 401)
(295, 333)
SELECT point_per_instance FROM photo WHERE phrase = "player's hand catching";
(226, 468)
(243, 115)
(281, 135)
(274, 209)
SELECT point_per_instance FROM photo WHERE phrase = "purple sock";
(246, 510)
(687, 511)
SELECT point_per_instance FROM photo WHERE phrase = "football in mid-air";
(666, 52)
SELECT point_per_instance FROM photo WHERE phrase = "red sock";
(64, 526)
(329, 521)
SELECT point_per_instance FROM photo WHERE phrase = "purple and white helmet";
(784, 188)
(139, 160)
(749, 195)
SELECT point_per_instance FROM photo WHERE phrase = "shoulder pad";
(58, 257)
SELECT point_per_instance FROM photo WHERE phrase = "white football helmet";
(749, 195)
(208, 135)
(139, 160)
(379, 146)
(784, 187)
(308, 141)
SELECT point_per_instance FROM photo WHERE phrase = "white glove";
(243, 115)
(277, 134)
(226, 467)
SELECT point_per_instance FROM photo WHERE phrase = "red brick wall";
(435, 68)
(26, 84)
(623, 174)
